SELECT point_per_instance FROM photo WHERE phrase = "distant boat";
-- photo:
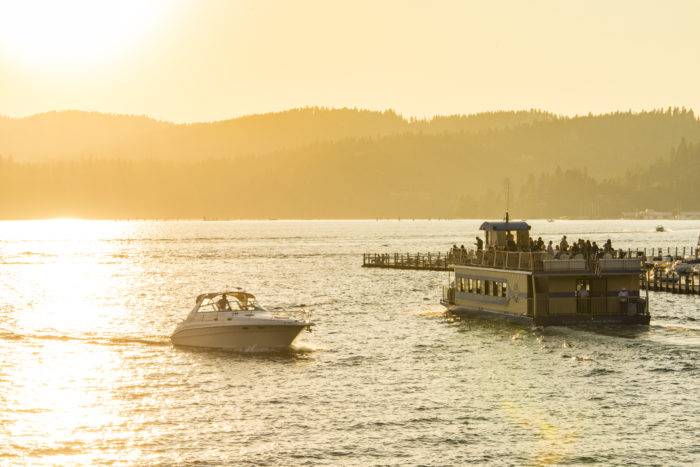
(660, 228)
(550, 220)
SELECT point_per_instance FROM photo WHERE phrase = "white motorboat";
(234, 320)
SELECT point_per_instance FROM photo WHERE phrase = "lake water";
(88, 374)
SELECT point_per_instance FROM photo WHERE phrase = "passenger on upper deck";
(510, 242)
(595, 249)
(608, 246)
(563, 245)
(550, 248)
(582, 247)
(574, 249)
(540, 244)
(479, 244)
(456, 252)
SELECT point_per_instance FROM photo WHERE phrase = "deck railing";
(500, 259)
(521, 260)
(543, 261)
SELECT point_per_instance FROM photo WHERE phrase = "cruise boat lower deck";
(546, 299)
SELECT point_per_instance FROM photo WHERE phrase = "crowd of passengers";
(585, 248)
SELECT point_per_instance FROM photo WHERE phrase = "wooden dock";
(417, 261)
(682, 284)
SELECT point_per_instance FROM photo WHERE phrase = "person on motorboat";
(223, 304)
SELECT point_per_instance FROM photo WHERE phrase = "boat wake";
(292, 352)
(97, 340)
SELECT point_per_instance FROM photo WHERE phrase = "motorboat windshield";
(227, 301)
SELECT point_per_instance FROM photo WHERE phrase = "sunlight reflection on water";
(87, 373)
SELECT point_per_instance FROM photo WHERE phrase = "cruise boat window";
(496, 289)
(478, 286)
(504, 289)
(487, 287)
(461, 284)
(470, 285)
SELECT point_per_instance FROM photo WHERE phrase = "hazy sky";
(193, 60)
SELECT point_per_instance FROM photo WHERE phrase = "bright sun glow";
(54, 33)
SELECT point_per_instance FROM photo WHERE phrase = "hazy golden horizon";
(187, 61)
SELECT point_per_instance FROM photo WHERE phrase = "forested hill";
(74, 135)
(319, 163)
(669, 184)
(70, 134)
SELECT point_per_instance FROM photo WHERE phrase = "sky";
(204, 60)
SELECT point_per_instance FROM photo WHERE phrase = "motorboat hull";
(239, 337)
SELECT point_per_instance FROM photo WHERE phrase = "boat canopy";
(504, 226)
(238, 294)
(230, 300)
(498, 233)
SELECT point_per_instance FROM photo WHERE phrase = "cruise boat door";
(599, 295)
(583, 296)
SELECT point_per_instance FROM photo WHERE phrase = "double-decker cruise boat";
(234, 320)
(506, 279)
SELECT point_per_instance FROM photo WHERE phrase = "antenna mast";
(507, 197)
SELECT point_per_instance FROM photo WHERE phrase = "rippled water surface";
(88, 374)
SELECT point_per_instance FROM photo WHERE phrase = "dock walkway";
(684, 284)
(418, 261)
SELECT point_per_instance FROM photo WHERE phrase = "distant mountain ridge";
(76, 134)
(346, 163)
